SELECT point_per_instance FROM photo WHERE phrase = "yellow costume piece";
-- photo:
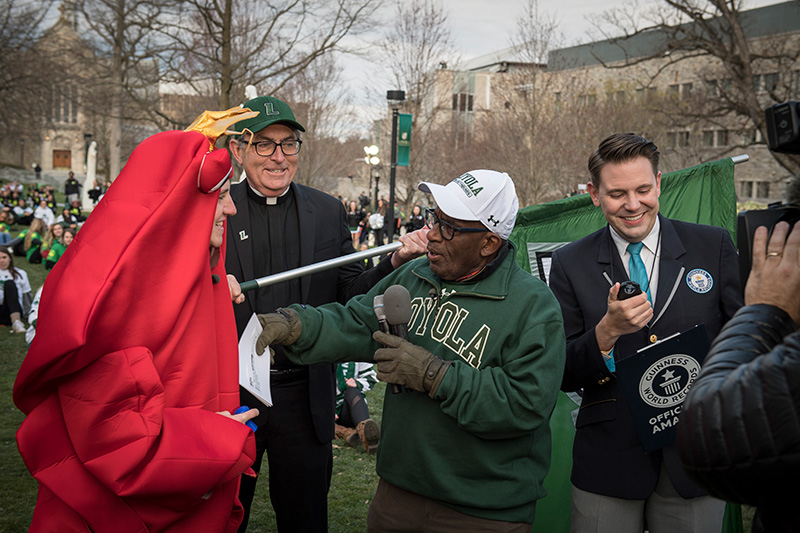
(214, 124)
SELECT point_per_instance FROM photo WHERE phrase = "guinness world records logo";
(666, 382)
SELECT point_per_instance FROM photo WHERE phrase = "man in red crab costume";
(129, 384)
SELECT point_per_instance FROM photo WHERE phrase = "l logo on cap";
(270, 110)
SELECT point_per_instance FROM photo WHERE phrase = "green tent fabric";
(703, 194)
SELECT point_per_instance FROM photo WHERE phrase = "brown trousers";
(394, 510)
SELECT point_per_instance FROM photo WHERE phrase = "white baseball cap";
(484, 195)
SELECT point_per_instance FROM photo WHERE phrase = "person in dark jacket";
(739, 435)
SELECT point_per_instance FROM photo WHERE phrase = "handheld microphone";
(377, 306)
(397, 308)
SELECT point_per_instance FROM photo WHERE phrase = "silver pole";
(319, 267)
(740, 159)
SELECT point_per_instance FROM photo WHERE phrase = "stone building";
(638, 76)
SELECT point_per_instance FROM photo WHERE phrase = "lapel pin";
(243, 235)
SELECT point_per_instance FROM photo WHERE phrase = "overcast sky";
(480, 27)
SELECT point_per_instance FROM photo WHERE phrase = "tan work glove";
(408, 365)
(281, 327)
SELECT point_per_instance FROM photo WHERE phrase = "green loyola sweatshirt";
(482, 446)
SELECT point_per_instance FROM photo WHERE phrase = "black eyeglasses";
(446, 229)
(267, 148)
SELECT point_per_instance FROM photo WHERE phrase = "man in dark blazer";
(280, 226)
(693, 279)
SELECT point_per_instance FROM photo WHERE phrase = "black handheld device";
(628, 289)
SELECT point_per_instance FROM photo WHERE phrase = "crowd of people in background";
(31, 231)
(371, 226)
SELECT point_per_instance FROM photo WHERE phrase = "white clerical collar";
(269, 200)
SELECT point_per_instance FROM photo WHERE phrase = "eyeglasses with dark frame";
(267, 148)
(446, 229)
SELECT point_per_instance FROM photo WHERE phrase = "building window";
(722, 138)
(683, 138)
(558, 101)
(708, 138)
(746, 189)
(672, 139)
(796, 87)
(674, 90)
(712, 88)
(686, 90)
(620, 97)
(463, 102)
(756, 83)
(63, 103)
(586, 100)
(762, 189)
(770, 81)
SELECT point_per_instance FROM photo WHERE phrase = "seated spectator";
(5, 227)
(96, 191)
(75, 211)
(16, 290)
(353, 423)
(67, 219)
(53, 235)
(32, 241)
(369, 262)
(33, 316)
(23, 212)
(44, 212)
(59, 247)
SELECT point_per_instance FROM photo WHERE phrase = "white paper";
(254, 368)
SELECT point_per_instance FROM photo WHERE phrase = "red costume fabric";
(135, 352)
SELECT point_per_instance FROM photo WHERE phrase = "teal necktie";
(637, 269)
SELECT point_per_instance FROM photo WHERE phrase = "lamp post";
(395, 98)
(377, 170)
(372, 160)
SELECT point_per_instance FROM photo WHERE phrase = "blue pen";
(243, 409)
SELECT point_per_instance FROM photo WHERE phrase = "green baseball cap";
(270, 111)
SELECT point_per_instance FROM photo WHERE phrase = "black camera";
(783, 136)
(783, 127)
(747, 223)
(628, 289)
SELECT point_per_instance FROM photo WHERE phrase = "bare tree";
(414, 56)
(750, 69)
(120, 78)
(219, 46)
(22, 67)
(515, 134)
(324, 108)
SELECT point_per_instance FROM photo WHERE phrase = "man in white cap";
(466, 445)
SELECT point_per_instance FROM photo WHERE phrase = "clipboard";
(656, 380)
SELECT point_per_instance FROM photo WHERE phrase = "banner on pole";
(403, 139)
